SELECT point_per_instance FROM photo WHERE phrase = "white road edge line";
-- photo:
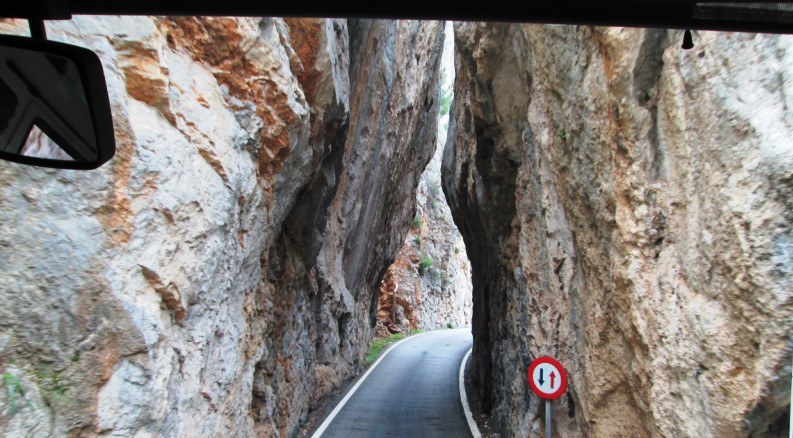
(349, 395)
(464, 399)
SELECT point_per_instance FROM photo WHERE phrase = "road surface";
(412, 392)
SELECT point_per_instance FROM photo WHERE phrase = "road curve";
(412, 392)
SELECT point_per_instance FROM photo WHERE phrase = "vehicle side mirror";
(54, 109)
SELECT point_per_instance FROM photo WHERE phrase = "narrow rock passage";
(412, 392)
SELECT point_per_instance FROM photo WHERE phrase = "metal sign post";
(548, 379)
(547, 419)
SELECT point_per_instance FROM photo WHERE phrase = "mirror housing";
(54, 107)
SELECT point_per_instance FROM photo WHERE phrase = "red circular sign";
(547, 378)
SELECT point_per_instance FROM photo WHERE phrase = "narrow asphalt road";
(412, 392)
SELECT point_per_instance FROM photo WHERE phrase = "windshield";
(333, 227)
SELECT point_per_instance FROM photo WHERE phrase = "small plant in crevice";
(14, 393)
(434, 194)
(435, 189)
(52, 387)
(417, 240)
(416, 222)
(436, 275)
(457, 250)
(424, 264)
(449, 325)
(562, 134)
(446, 94)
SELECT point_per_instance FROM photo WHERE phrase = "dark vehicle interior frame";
(769, 17)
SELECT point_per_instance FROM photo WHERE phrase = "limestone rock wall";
(416, 296)
(219, 275)
(626, 206)
(437, 296)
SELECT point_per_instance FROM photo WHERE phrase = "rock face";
(413, 296)
(626, 207)
(220, 274)
(416, 296)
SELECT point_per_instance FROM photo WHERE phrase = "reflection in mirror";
(39, 145)
(41, 92)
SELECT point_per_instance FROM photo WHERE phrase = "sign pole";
(547, 419)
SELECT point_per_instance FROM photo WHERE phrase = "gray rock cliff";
(219, 276)
(626, 206)
(412, 294)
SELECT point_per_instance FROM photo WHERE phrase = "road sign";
(547, 378)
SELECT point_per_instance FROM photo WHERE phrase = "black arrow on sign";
(542, 381)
